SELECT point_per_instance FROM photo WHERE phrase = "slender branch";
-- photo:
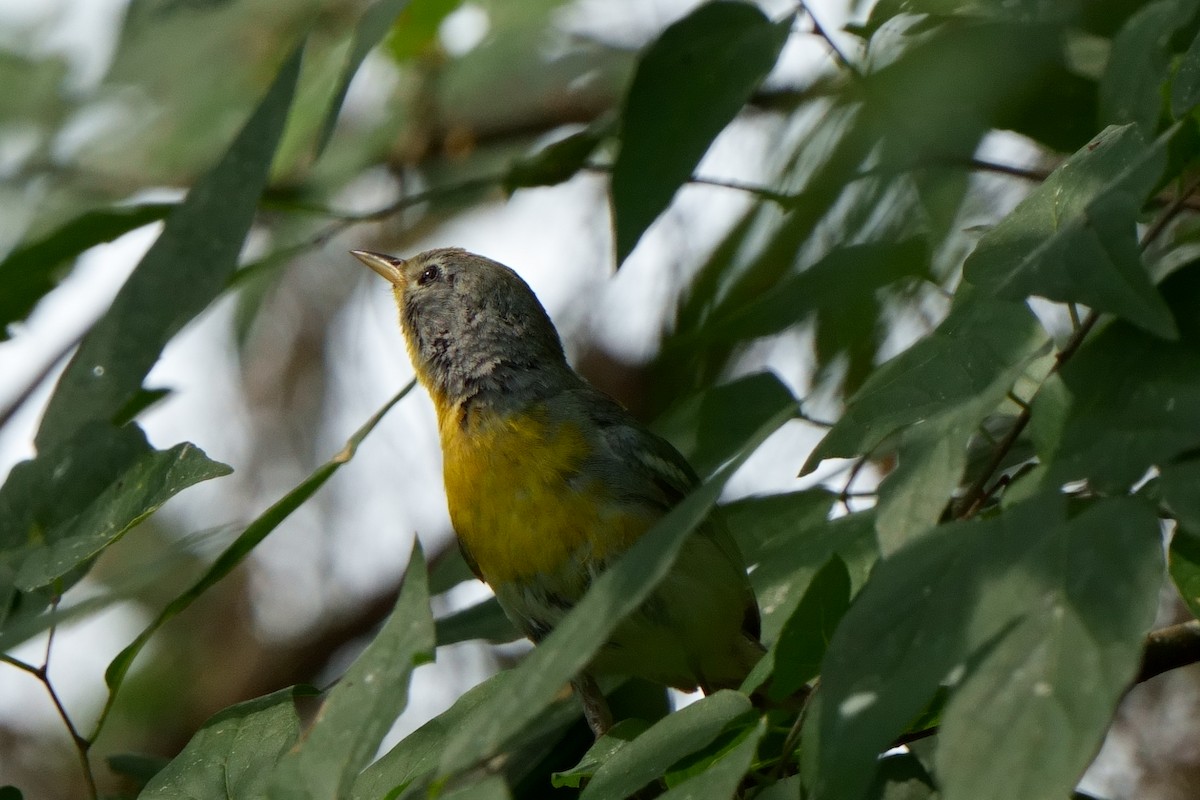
(19, 664)
(1073, 310)
(1025, 173)
(819, 30)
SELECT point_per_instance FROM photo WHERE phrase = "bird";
(548, 480)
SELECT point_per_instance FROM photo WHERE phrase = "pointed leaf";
(1072, 239)
(1130, 89)
(372, 26)
(687, 87)
(30, 271)
(232, 754)
(722, 778)
(710, 427)
(186, 267)
(1043, 613)
(148, 483)
(651, 754)
(1126, 401)
(964, 367)
(363, 705)
(806, 634)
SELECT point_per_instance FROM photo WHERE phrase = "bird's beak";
(387, 266)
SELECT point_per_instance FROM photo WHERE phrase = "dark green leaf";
(962, 370)
(186, 267)
(485, 620)
(688, 86)
(570, 646)
(787, 539)
(902, 777)
(1126, 401)
(1042, 614)
(140, 490)
(600, 753)
(372, 26)
(32, 270)
(365, 702)
(722, 778)
(710, 427)
(241, 547)
(413, 761)
(558, 161)
(1130, 90)
(490, 788)
(1073, 238)
(1184, 562)
(1051, 684)
(806, 634)
(651, 754)
(232, 754)
(1185, 88)
(1180, 483)
(843, 276)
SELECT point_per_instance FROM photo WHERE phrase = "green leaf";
(711, 426)
(1126, 401)
(843, 276)
(1073, 238)
(1185, 88)
(962, 369)
(558, 161)
(138, 492)
(614, 594)
(30, 271)
(241, 547)
(366, 701)
(1180, 482)
(186, 267)
(485, 620)
(1130, 90)
(490, 788)
(1183, 560)
(600, 753)
(1028, 719)
(902, 777)
(372, 26)
(232, 754)
(651, 754)
(722, 778)
(787, 538)
(688, 85)
(1041, 613)
(413, 760)
(806, 634)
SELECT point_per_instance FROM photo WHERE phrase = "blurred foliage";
(982, 561)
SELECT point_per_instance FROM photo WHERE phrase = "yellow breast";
(518, 501)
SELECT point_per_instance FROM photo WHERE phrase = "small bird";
(548, 480)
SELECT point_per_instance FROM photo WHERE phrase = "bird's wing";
(647, 470)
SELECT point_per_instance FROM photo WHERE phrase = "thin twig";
(819, 30)
(37, 380)
(1073, 311)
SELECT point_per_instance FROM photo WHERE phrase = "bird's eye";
(430, 273)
